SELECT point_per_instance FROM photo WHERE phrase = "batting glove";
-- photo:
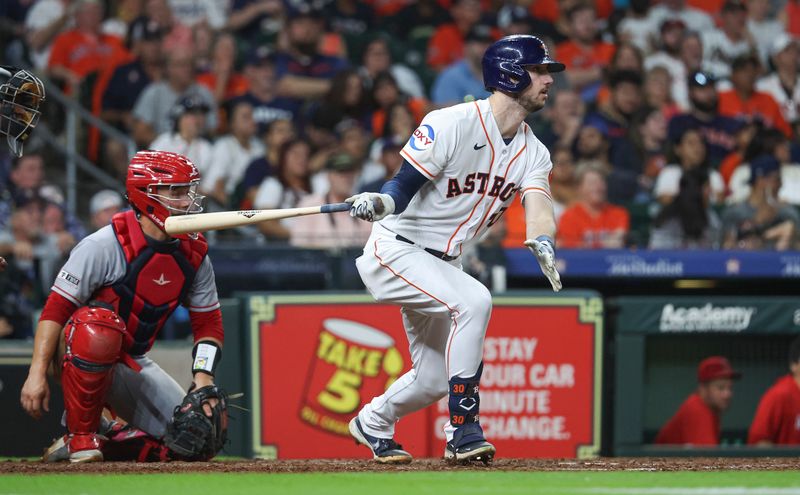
(370, 206)
(544, 249)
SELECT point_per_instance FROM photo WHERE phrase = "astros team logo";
(422, 138)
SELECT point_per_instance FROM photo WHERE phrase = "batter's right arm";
(541, 229)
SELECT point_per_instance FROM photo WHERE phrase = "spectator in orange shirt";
(85, 49)
(697, 420)
(584, 56)
(593, 223)
(745, 103)
(223, 80)
(447, 43)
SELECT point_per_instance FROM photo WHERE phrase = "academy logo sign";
(707, 318)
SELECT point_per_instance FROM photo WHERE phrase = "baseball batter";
(107, 306)
(464, 165)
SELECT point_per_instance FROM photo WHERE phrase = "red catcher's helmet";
(149, 170)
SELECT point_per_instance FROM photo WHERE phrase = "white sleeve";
(668, 181)
(42, 14)
(268, 195)
(95, 262)
(432, 144)
(537, 172)
(215, 14)
(218, 167)
(202, 295)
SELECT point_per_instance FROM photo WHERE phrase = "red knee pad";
(93, 344)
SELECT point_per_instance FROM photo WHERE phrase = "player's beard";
(531, 103)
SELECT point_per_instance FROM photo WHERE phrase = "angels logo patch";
(422, 138)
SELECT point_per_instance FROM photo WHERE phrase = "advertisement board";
(317, 359)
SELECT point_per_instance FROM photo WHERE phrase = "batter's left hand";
(544, 249)
(371, 206)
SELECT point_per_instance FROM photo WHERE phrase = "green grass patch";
(413, 483)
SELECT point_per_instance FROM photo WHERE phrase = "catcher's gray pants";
(145, 399)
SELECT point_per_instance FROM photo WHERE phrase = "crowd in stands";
(674, 126)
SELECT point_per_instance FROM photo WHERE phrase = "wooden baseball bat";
(201, 222)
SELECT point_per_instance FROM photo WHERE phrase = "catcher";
(106, 307)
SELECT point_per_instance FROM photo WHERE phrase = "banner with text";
(317, 359)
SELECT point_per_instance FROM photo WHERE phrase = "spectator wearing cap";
(777, 418)
(222, 79)
(390, 160)
(249, 19)
(718, 131)
(592, 222)
(152, 111)
(697, 420)
(377, 58)
(129, 80)
(446, 46)
(583, 54)
(744, 102)
(232, 154)
(764, 27)
(259, 70)
(765, 142)
(694, 19)
(186, 136)
(688, 152)
(302, 71)
(784, 84)
(104, 205)
(331, 231)
(463, 79)
(722, 46)
(668, 55)
(761, 221)
(85, 49)
(278, 132)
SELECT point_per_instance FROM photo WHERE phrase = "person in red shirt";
(745, 103)
(583, 54)
(777, 419)
(697, 420)
(592, 222)
(447, 43)
(85, 49)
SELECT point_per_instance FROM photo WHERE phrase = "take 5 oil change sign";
(317, 359)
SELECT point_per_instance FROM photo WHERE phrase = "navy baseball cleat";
(384, 450)
(468, 444)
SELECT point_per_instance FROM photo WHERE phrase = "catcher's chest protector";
(157, 278)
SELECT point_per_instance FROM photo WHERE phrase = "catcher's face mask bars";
(20, 98)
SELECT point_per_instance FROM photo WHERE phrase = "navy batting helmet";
(504, 62)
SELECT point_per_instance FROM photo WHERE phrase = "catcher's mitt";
(190, 433)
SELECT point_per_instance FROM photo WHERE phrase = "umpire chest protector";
(158, 276)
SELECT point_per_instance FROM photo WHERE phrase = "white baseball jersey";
(473, 176)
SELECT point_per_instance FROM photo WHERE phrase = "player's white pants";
(445, 314)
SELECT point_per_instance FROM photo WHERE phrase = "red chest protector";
(158, 276)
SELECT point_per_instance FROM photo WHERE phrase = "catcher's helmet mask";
(505, 63)
(150, 170)
(21, 94)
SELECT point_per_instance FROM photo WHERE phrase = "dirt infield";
(350, 465)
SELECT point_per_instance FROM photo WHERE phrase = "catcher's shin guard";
(468, 443)
(93, 343)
